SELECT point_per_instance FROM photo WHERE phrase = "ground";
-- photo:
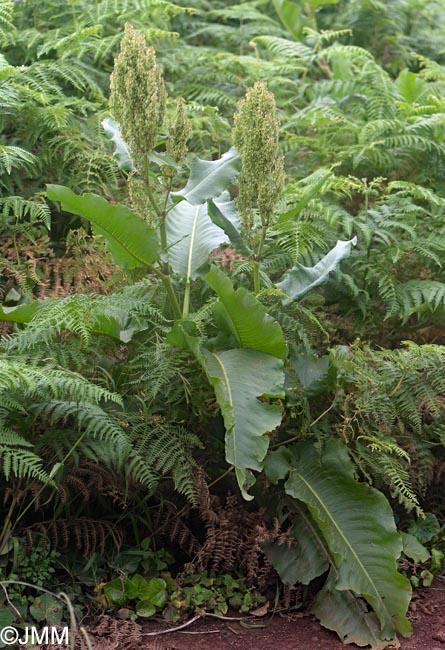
(296, 632)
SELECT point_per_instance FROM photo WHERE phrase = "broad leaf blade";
(358, 526)
(20, 313)
(345, 613)
(122, 151)
(319, 3)
(413, 549)
(191, 237)
(240, 378)
(300, 279)
(209, 178)
(131, 241)
(290, 15)
(306, 559)
(247, 318)
(224, 215)
(312, 371)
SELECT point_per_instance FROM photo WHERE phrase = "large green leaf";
(246, 317)
(413, 549)
(290, 15)
(345, 613)
(240, 379)
(319, 3)
(131, 241)
(122, 152)
(191, 237)
(307, 558)
(312, 371)
(222, 212)
(20, 313)
(300, 279)
(209, 178)
(357, 525)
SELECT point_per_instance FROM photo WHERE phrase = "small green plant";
(209, 593)
(142, 559)
(36, 565)
(424, 545)
(143, 597)
(22, 600)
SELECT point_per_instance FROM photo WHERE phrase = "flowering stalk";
(138, 101)
(255, 135)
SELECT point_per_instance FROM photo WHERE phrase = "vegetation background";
(222, 308)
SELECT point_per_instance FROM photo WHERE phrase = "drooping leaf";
(191, 237)
(240, 378)
(122, 152)
(347, 614)
(306, 559)
(162, 159)
(224, 215)
(246, 317)
(312, 372)
(300, 279)
(7, 617)
(357, 524)
(131, 241)
(209, 178)
(20, 313)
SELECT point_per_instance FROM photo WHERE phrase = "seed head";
(255, 135)
(138, 94)
(179, 133)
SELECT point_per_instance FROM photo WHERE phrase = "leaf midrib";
(68, 206)
(345, 539)
(192, 242)
(230, 399)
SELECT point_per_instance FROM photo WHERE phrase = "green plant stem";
(298, 436)
(186, 305)
(164, 275)
(258, 256)
(168, 286)
(152, 199)
(163, 234)
(167, 282)
(256, 277)
(221, 476)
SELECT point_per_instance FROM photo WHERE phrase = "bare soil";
(303, 632)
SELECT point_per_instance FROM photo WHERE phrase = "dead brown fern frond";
(88, 535)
